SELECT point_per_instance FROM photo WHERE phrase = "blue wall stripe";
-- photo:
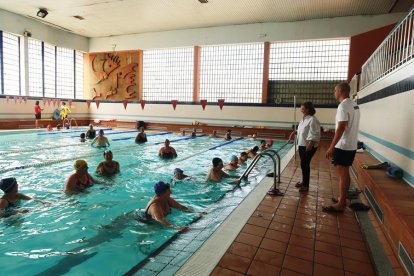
(406, 176)
(406, 152)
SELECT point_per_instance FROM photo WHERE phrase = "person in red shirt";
(38, 113)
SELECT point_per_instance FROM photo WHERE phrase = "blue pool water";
(95, 233)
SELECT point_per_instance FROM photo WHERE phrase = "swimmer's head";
(8, 184)
(49, 127)
(161, 187)
(79, 164)
(101, 132)
(90, 126)
(178, 171)
(217, 162)
(234, 158)
(255, 149)
(82, 135)
(167, 142)
(262, 142)
(270, 142)
(108, 155)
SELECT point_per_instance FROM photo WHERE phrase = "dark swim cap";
(161, 187)
(7, 184)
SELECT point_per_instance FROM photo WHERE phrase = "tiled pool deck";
(291, 235)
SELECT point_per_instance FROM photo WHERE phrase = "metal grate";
(405, 259)
(65, 78)
(307, 69)
(374, 204)
(232, 72)
(168, 74)
(11, 64)
(35, 67)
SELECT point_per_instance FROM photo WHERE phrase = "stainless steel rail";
(276, 166)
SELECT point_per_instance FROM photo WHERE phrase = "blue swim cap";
(7, 184)
(161, 187)
(234, 158)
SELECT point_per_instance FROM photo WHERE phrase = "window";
(79, 75)
(307, 69)
(50, 70)
(65, 74)
(35, 68)
(168, 74)
(11, 64)
(232, 72)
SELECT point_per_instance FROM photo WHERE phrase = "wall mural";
(113, 76)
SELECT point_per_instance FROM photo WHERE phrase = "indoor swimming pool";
(96, 232)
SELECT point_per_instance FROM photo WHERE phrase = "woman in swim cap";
(12, 196)
(109, 166)
(232, 166)
(80, 179)
(160, 206)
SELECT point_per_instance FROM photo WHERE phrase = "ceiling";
(120, 17)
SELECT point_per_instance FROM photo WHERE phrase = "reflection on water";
(91, 232)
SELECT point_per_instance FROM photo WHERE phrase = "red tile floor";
(291, 235)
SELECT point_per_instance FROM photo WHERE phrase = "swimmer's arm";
(118, 167)
(160, 152)
(3, 204)
(94, 140)
(70, 185)
(23, 196)
(107, 141)
(158, 215)
(177, 205)
(94, 180)
(174, 152)
(99, 169)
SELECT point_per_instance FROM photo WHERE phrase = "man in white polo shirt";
(344, 144)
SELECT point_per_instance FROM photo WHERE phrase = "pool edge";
(205, 259)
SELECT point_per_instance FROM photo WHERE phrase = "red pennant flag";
(97, 102)
(70, 103)
(20, 100)
(125, 103)
(203, 103)
(54, 102)
(174, 103)
(142, 104)
(58, 102)
(221, 103)
(25, 99)
(7, 99)
(44, 101)
(49, 101)
(88, 103)
(15, 99)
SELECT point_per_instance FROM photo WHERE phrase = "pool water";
(96, 232)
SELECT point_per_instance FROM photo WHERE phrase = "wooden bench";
(392, 201)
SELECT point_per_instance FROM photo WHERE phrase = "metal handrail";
(396, 49)
(271, 153)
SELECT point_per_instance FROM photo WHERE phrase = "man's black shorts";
(343, 157)
(38, 116)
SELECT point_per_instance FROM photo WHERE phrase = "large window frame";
(168, 74)
(232, 72)
(52, 71)
(10, 64)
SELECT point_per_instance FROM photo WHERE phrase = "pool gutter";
(204, 260)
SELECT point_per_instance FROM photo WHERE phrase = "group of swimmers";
(159, 206)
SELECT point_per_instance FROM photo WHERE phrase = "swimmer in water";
(101, 140)
(167, 152)
(109, 166)
(216, 173)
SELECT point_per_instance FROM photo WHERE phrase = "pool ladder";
(276, 167)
